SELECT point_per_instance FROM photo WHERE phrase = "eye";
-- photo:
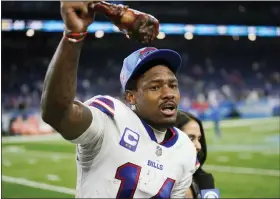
(174, 86)
(191, 137)
(154, 88)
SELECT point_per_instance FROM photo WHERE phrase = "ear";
(130, 97)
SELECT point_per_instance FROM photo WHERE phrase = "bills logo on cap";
(145, 52)
(129, 139)
(210, 193)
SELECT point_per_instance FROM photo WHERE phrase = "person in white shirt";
(122, 151)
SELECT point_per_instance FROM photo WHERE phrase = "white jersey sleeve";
(90, 142)
(180, 188)
(102, 109)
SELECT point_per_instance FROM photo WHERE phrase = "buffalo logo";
(145, 52)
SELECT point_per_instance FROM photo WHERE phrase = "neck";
(156, 127)
(151, 124)
(158, 130)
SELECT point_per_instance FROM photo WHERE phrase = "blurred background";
(230, 72)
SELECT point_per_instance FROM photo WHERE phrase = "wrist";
(74, 37)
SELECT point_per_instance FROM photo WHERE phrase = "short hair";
(132, 82)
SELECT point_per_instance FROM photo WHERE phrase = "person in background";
(193, 127)
(216, 117)
(214, 103)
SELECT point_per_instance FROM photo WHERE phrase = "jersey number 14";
(129, 174)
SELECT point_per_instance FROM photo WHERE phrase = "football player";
(122, 151)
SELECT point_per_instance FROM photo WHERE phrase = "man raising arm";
(121, 153)
(59, 109)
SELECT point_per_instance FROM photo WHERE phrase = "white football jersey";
(118, 156)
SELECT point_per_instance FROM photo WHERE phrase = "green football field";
(245, 162)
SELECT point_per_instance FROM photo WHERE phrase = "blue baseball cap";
(134, 62)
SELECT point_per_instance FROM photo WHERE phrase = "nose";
(167, 93)
(197, 145)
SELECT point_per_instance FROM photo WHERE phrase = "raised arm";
(59, 109)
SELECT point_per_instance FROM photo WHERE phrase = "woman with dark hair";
(192, 126)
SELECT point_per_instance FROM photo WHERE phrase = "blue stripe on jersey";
(168, 143)
(107, 101)
(149, 131)
(102, 108)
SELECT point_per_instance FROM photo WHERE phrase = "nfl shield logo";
(159, 151)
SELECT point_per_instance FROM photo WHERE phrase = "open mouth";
(168, 109)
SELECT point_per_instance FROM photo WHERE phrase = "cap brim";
(172, 57)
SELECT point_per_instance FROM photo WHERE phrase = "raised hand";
(77, 16)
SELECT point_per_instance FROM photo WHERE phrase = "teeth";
(168, 107)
